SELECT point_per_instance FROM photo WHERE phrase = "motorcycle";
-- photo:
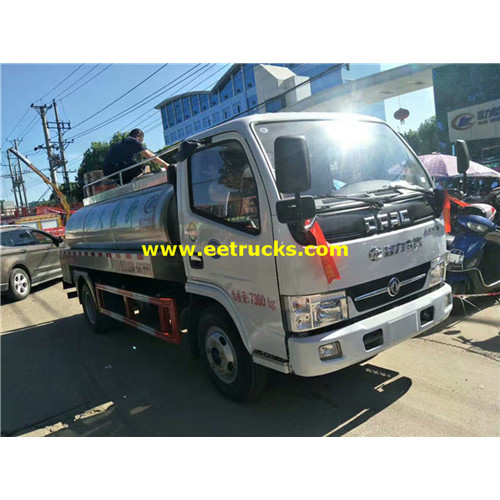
(474, 250)
(474, 242)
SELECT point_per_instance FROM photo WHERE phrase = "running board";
(165, 324)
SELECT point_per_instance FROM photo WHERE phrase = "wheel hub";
(21, 284)
(221, 355)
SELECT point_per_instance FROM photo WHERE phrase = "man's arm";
(148, 154)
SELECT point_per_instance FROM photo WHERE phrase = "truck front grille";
(377, 293)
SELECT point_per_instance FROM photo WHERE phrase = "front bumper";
(4, 287)
(397, 324)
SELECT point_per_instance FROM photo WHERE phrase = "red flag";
(328, 262)
(447, 209)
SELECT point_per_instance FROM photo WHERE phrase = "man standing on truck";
(122, 155)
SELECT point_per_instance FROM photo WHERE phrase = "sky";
(83, 90)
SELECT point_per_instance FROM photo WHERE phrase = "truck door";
(223, 202)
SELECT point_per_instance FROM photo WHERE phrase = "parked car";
(28, 257)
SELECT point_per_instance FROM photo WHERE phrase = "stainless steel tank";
(127, 221)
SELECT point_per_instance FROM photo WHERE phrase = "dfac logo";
(463, 121)
(393, 287)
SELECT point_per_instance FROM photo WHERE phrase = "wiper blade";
(368, 201)
(398, 187)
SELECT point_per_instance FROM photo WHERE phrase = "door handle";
(22, 251)
(196, 261)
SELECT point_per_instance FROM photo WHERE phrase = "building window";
(195, 104)
(189, 130)
(214, 99)
(236, 109)
(204, 102)
(173, 137)
(197, 125)
(186, 107)
(170, 114)
(238, 82)
(164, 118)
(178, 111)
(216, 117)
(225, 113)
(249, 76)
(226, 91)
(223, 187)
(206, 122)
(251, 101)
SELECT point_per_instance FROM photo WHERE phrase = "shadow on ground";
(452, 327)
(57, 370)
(4, 299)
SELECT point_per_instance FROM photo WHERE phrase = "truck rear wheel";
(225, 359)
(97, 321)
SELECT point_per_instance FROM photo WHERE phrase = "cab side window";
(223, 187)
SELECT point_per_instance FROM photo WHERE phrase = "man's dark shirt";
(122, 155)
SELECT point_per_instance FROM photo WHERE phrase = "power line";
(62, 81)
(29, 107)
(85, 83)
(147, 99)
(76, 81)
(15, 126)
(123, 95)
(138, 105)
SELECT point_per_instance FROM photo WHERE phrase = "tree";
(424, 140)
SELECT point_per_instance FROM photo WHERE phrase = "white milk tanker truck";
(270, 179)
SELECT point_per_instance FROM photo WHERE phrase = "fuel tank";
(127, 221)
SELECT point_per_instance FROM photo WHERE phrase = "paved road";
(59, 379)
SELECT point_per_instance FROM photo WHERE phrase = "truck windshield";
(349, 156)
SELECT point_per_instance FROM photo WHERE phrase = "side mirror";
(291, 163)
(462, 153)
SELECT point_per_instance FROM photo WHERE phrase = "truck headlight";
(438, 271)
(308, 312)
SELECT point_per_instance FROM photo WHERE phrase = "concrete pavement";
(60, 379)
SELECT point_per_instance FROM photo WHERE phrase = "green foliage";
(72, 196)
(425, 139)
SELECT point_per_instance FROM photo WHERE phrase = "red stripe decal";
(140, 256)
(128, 256)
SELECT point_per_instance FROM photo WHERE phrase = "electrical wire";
(138, 105)
(62, 81)
(75, 82)
(122, 96)
(85, 83)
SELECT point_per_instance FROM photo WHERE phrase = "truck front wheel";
(225, 359)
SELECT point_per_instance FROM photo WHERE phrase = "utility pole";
(61, 126)
(21, 179)
(16, 175)
(42, 111)
(13, 177)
